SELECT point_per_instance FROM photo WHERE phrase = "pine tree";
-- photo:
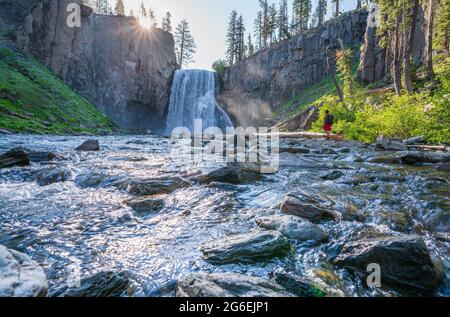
(265, 22)
(142, 12)
(167, 23)
(344, 65)
(240, 38)
(250, 46)
(231, 38)
(336, 4)
(100, 6)
(131, 14)
(283, 21)
(273, 14)
(258, 27)
(151, 15)
(184, 44)
(119, 9)
(442, 40)
(321, 11)
(302, 12)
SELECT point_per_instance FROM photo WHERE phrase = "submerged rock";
(53, 175)
(305, 206)
(332, 176)
(145, 205)
(103, 284)
(293, 227)
(294, 150)
(229, 174)
(93, 179)
(297, 284)
(40, 156)
(89, 146)
(14, 157)
(20, 276)
(390, 144)
(288, 159)
(404, 260)
(385, 160)
(251, 247)
(325, 151)
(156, 186)
(414, 157)
(228, 285)
(357, 180)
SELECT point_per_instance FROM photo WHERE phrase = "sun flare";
(145, 22)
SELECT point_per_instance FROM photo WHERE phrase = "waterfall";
(193, 97)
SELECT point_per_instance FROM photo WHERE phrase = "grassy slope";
(34, 100)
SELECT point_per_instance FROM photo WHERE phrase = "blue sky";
(208, 20)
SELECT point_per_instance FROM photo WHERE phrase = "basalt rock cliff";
(124, 69)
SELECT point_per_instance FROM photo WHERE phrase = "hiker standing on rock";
(328, 123)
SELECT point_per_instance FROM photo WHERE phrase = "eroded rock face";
(247, 248)
(307, 207)
(264, 81)
(131, 67)
(293, 228)
(20, 276)
(228, 285)
(404, 260)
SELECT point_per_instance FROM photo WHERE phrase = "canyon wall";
(124, 69)
(253, 88)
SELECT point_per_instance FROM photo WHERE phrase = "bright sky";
(208, 20)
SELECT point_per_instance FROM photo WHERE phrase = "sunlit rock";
(53, 175)
(89, 146)
(156, 186)
(14, 157)
(20, 276)
(145, 205)
(297, 284)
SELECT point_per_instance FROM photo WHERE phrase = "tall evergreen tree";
(142, 12)
(231, 39)
(302, 12)
(184, 44)
(321, 11)
(167, 23)
(258, 29)
(151, 15)
(283, 20)
(265, 22)
(240, 38)
(119, 9)
(442, 39)
(273, 15)
(250, 47)
(336, 4)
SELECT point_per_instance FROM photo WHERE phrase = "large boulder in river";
(293, 227)
(20, 276)
(228, 285)
(297, 284)
(53, 175)
(103, 284)
(307, 207)
(232, 174)
(156, 186)
(390, 144)
(14, 157)
(89, 146)
(404, 260)
(415, 157)
(248, 248)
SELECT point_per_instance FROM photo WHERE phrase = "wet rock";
(225, 175)
(259, 167)
(385, 160)
(297, 284)
(20, 276)
(390, 144)
(307, 207)
(357, 180)
(94, 179)
(228, 285)
(156, 186)
(405, 261)
(103, 284)
(294, 150)
(332, 176)
(445, 167)
(294, 228)
(416, 140)
(14, 157)
(42, 156)
(344, 150)
(251, 247)
(288, 159)
(415, 157)
(145, 205)
(395, 220)
(4, 131)
(326, 151)
(89, 146)
(53, 175)
(390, 178)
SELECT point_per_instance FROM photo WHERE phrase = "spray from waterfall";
(193, 97)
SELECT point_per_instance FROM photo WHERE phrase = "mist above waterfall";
(193, 97)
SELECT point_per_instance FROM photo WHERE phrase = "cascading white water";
(193, 97)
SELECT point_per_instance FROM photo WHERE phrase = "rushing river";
(65, 226)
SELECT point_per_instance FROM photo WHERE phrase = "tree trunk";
(359, 5)
(396, 69)
(336, 14)
(409, 45)
(429, 48)
(332, 74)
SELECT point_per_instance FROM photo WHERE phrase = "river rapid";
(68, 227)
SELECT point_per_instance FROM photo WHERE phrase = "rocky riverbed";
(129, 217)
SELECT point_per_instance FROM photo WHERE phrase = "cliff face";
(122, 68)
(261, 83)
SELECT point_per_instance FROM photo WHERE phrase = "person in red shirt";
(328, 123)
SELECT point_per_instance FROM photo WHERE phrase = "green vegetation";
(34, 100)
(364, 115)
